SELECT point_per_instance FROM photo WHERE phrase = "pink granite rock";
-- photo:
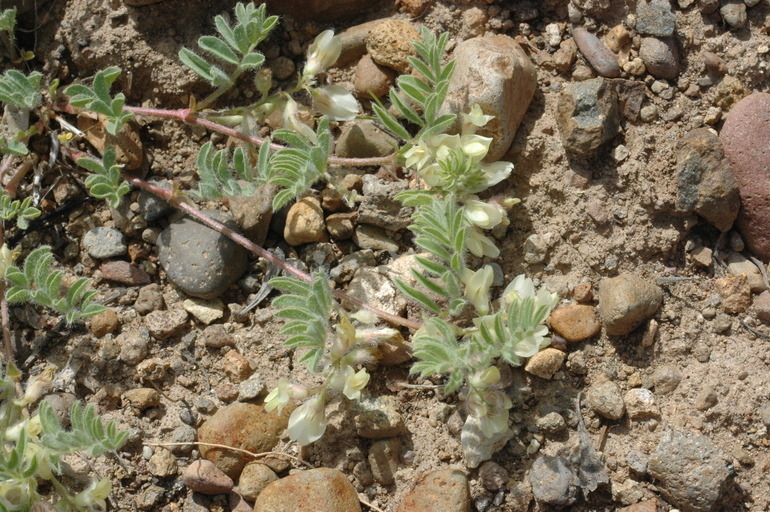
(746, 140)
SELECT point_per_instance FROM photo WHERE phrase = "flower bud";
(486, 378)
(264, 81)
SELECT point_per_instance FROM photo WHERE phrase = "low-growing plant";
(449, 224)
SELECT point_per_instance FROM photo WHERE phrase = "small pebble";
(102, 243)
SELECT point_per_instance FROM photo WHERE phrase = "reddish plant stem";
(178, 202)
(187, 116)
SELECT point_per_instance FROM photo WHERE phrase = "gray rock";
(364, 140)
(379, 420)
(596, 53)
(625, 302)
(551, 423)
(383, 459)
(605, 399)
(61, 404)
(149, 299)
(183, 434)
(587, 116)
(379, 206)
(372, 237)
(692, 473)
(666, 379)
(253, 214)
(201, 261)
(495, 73)
(706, 399)
(707, 184)
(133, 346)
(151, 206)
(553, 481)
(348, 265)
(637, 462)
(764, 413)
(655, 18)
(250, 388)
(476, 446)
(102, 243)
(660, 56)
(734, 13)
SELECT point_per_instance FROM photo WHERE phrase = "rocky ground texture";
(640, 135)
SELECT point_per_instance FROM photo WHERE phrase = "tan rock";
(127, 143)
(305, 223)
(576, 322)
(438, 491)
(316, 490)
(390, 43)
(702, 256)
(545, 363)
(254, 478)
(236, 367)
(735, 293)
(104, 323)
(740, 264)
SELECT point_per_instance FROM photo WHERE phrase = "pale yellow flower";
(355, 382)
(481, 245)
(308, 421)
(477, 286)
(335, 102)
(323, 53)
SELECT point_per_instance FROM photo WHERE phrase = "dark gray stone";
(707, 184)
(587, 116)
(199, 260)
(655, 18)
(692, 474)
(152, 206)
(553, 481)
(102, 243)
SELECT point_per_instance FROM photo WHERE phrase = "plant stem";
(187, 116)
(239, 450)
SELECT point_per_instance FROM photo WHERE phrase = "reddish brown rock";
(124, 272)
(575, 323)
(204, 477)
(241, 425)
(316, 490)
(735, 293)
(746, 140)
(438, 491)
(596, 53)
(372, 78)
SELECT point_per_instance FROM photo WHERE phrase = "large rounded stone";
(596, 53)
(587, 116)
(746, 140)
(495, 73)
(707, 184)
(316, 490)
(626, 301)
(438, 491)
(241, 425)
(390, 44)
(199, 260)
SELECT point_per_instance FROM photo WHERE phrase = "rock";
(707, 184)
(236, 367)
(587, 116)
(734, 13)
(551, 423)
(149, 497)
(706, 399)
(61, 404)
(253, 214)
(319, 10)
(476, 446)
(493, 476)
(565, 56)
(692, 474)
(241, 425)
(625, 302)
(364, 140)
(204, 477)
(415, 7)
(238, 504)
(474, 22)
(739, 264)
(199, 260)
(282, 67)
(250, 388)
(661, 57)
(735, 294)
(655, 18)
(605, 399)
(714, 64)
(349, 264)
(341, 225)
(305, 222)
(164, 324)
(643, 506)
(183, 434)
(553, 481)
(535, 249)
(666, 379)
(315, 490)
(545, 363)
(702, 256)
(205, 310)
(372, 79)
(383, 459)
(104, 323)
(149, 299)
(595, 7)
(762, 306)
(438, 491)
(153, 369)
(746, 139)
(353, 41)
(575, 323)
(124, 272)
(495, 73)
(373, 237)
(133, 347)
(390, 43)
(379, 206)
(381, 420)
(215, 336)
(254, 478)
(596, 53)
(618, 38)
(102, 243)
(375, 289)
(142, 398)
(151, 206)
(641, 404)
(162, 463)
